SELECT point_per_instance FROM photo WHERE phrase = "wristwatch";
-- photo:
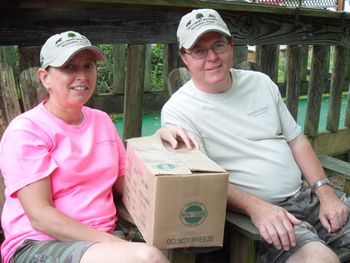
(319, 183)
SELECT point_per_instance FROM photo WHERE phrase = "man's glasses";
(202, 52)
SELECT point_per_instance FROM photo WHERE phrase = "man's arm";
(274, 223)
(333, 212)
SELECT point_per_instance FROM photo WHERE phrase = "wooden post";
(148, 60)
(119, 59)
(240, 54)
(269, 58)
(336, 90)
(294, 54)
(316, 86)
(347, 112)
(9, 104)
(133, 99)
(327, 63)
(32, 90)
(304, 69)
(172, 60)
(29, 56)
(340, 6)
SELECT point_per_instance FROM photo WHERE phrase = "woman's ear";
(43, 75)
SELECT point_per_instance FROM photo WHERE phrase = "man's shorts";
(53, 251)
(305, 206)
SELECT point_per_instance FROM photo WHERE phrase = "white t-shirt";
(245, 130)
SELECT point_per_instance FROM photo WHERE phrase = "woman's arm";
(36, 200)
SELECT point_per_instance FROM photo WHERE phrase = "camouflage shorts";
(53, 251)
(305, 206)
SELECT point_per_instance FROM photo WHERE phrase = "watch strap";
(319, 183)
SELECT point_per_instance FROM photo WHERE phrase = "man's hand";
(333, 212)
(275, 225)
(174, 135)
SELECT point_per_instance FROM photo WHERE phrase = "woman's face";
(72, 84)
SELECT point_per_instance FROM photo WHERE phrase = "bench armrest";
(337, 166)
(242, 224)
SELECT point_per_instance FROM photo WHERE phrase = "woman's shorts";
(53, 251)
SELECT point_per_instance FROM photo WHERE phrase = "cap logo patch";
(201, 20)
(199, 15)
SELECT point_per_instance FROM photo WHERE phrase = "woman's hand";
(174, 135)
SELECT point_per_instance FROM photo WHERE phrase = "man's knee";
(314, 252)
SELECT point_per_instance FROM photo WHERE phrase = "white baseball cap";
(60, 48)
(198, 22)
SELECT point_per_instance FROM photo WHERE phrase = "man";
(240, 121)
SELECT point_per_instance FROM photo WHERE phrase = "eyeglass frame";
(229, 42)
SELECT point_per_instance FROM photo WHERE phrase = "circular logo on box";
(193, 214)
(165, 166)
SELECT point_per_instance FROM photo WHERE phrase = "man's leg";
(314, 252)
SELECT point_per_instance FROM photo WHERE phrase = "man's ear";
(184, 58)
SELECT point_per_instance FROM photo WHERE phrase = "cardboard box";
(177, 198)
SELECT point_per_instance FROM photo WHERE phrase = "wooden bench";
(244, 235)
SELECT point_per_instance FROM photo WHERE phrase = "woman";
(61, 162)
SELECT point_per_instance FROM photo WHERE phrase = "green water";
(151, 122)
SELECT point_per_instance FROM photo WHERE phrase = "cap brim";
(194, 37)
(66, 56)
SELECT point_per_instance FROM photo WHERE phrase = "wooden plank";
(331, 143)
(335, 164)
(142, 23)
(147, 74)
(172, 60)
(241, 55)
(133, 98)
(216, 4)
(268, 60)
(294, 66)
(336, 90)
(29, 56)
(316, 85)
(242, 224)
(304, 62)
(9, 104)
(347, 112)
(119, 64)
(242, 248)
(32, 90)
(180, 256)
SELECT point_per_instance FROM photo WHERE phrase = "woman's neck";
(71, 117)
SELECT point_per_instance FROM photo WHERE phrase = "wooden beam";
(113, 22)
(332, 143)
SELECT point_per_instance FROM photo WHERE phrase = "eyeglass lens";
(201, 52)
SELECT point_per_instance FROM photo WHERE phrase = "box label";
(193, 214)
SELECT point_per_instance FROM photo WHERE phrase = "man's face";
(212, 72)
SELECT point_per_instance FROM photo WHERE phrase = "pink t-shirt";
(83, 162)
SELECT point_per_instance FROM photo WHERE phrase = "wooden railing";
(139, 23)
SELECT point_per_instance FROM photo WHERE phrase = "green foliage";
(157, 67)
(105, 69)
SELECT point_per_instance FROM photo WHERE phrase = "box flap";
(160, 158)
